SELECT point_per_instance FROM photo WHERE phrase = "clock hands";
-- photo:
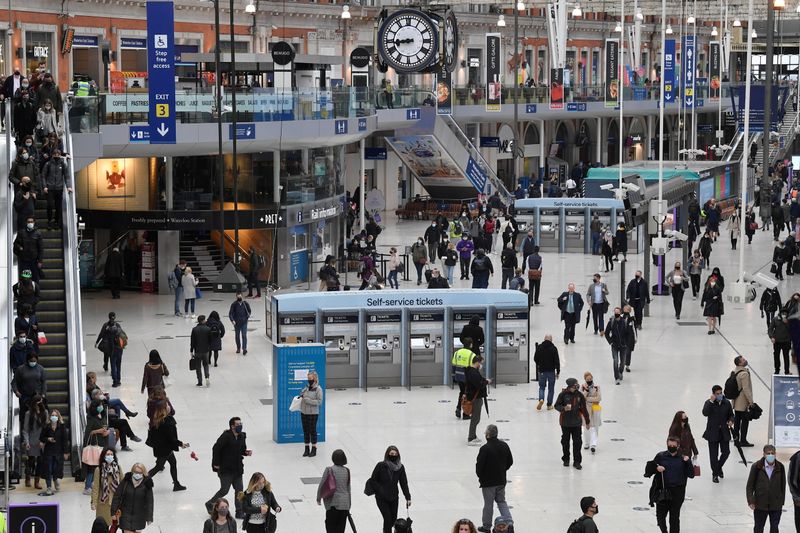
(403, 41)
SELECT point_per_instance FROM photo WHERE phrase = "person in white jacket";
(189, 283)
(591, 391)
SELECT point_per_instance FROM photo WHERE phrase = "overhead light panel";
(577, 12)
(501, 21)
(669, 29)
(738, 23)
(690, 20)
(618, 28)
(639, 14)
(714, 31)
(778, 5)
(250, 8)
(345, 11)
(520, 6)
(754, 34)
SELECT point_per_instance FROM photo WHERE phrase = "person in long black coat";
(113, 272)
(216, 339)
(719, 419)
(386, 475)
(163, 438)
(24, 117)
(712, 304)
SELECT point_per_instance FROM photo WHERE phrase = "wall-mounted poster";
(612, 73)
(556, 88)
(115, 179)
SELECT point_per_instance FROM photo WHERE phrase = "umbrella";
(738, 447)
(588, 313)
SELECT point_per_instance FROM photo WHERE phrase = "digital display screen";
(418, 343)
(376, 343)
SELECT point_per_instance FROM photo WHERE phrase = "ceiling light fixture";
(618, 28)
(520, 6)
(577, 12)
(345, 11)
(738, 23)
(754, 34)
(250, 8)
(669, 29)
(690, 20)
(501, 21)
(714, 31)
(778, 5)
(639, 14)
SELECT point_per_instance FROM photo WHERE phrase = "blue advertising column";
(290, 366)
(161, 70)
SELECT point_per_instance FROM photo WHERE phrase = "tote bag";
(90, 454)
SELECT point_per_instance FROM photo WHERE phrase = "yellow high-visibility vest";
(463, 357)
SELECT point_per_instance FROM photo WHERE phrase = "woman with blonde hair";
(592, 393)
(107, 477)
(189, 283)
(311, 399)
(134, 500)
(257, 501)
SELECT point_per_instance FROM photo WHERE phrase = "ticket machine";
(383, 348)
(426, 346)
(574, 230)
(340, 337)
(296, 328)
(548, 229)
(511, 350)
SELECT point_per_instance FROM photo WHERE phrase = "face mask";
(222, 512)
(433, 224)
(419, 241)
(47, 108)
(394, 458)
(463, 238)
(109, 459)
(237, 429)
(53, 418)
(25, 157)
(672, 449)
(25, 85)
(638, 277)
(310, 382)
(22, 340)
(99, 409)
(596, 509)
(30, 226)
(32, 364)
(770, 457)
(720, 397)
(137, 476)
(713, 284)
(239, 298)
(617, 315)
(28, 143)
(590, 382)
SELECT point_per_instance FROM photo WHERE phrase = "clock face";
(408, 40)
(450, 41)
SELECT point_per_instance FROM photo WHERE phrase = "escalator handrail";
(75, 348)
(9, 430)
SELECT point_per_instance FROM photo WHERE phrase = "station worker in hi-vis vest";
(462, 358)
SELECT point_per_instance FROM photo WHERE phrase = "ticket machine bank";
(384, 359)
(297, 328)
(340, 337)
(511, 348)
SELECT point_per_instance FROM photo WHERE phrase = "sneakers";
(87, 492)
(194, 316)
(48, 492)
(136, 439)
(550, 407)
(593, 450)
(127, 449)
(627, 369)
(57, 483)
(475, 442)
(618, 382)
(578, 466)
(539, 405)
(177, 487)
(208, 382)
(244, 352)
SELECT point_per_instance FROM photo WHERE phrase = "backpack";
(215, 333)
(172, 281)
(577, 525)
(458, 229)
(480, 264)
(732, 390)
(122, 338)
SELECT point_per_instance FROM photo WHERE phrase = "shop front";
(132, 54)
(87, 63)
(39, 46)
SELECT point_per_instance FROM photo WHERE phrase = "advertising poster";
(427, 159)
(669, 71)
(444, 97)
(612, 73)
(493, 62)
(291, 365)
(556, 88)
(714, 74)
(688, 69)
(785, 412)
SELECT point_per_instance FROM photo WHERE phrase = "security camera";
(674, 234)
(761, 280)
(607, 187)
(631, 187)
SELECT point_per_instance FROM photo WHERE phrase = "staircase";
(787, 131)
(52, 315)
(205, 259)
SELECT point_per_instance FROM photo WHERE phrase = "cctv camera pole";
(741, 287)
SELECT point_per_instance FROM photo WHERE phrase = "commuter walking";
(705, 247)
(227, 461)
(696, 266)
(154, 373)
(256, 263)
(465, 247)
(107, 477)
(113, 272)
(163, 438)
(793, 479)
(750, 224)
(678, 282)
(432, 237)
(533, 267)
(36, 418)
(617, 335)
(394, 268)
(670, 472)
(258, 504)
(220, 520)
(680, 428)
(528, 245)
(310, 401)
(29, 382)
(214, 323)
(638, 295)
(134, 500)
(741, 401)
(608, 251)
(54, 441)
(631, 338)
(621, 242)
(476, 392)
(239, 315)
(570, 304)
(449, 262)
(781, 341)
(735, 228)
(719, 421)
(571, 405)
(474, 332)
(548, 367)
(712, 304)
(778, 258)
(493, 462)
(585, 522)
(766, 489)
(508, 263)
(177, 282)
(591, 391)
(200, 350)
(462, 358)
(189, 283)
(481, 270)
(597, 296)
(419, 256)
(383, 482)
(337, 502)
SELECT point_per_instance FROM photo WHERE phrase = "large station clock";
(450, 39)
(408, 40)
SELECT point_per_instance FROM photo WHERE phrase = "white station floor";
(673, 367)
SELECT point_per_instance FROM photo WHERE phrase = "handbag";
(295, 405)
(685, 283)
(42, 338)
(662, 494)
(192, 364)
(103, 345)
(90, 454)
(596, 407)
(328, 485)
(696, 469)
(369, 488)
(467, 405)
(754, 412)
(198, 293)
(773, 268)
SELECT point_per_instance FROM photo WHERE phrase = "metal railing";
(737, 140)
(72, 296)
(99, 264)
(8, 430)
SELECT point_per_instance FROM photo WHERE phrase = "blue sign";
(362, 124)
(139, 134)
(132, 42)
(290, 366)
(490, 142)
(161, 70)
(246, 131)
(33, 517)
(181, 49)
(699, 102)
(688, 68)
(413, 114)
(669, 70)
(375, 154)
(576, 106)
(340, 127)
(785, 412)
(298, 265)
(476, 175)
(530, 108)
(84, 40)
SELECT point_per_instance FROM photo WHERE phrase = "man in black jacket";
(473, 331)
(494, 460)
(508, 263)
(226, 461)
(113, 272)
(528, 244)
(437, 281)
(572, 406)
(719, 414)
(475, 391)
(670, 471)
(200, 348)
(548, 368)
(432, 236)
(638, 296)
(617, 336)
(29, 249)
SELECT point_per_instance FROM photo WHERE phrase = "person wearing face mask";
(481, 269)
(475, 390)
(527, 246)
(25, 86)
(419, 256)
(597, 295)
(585, 522)
(465, 248)
(766, 490)
(433, 236)
(30, 433)
(310, 401)
(29, 381)
(670, 471)
(49, 91)
(29, 249)
(24, 165)
(54, 443)
(449, 261)
(55, 180)
(781, 339)
(24, 205)
(134, 500)
(778, 259)
(493, 462)
(570, 304)
(21, 349)
(712, 304)
(24, 117)
(107, 476)
(227, 461)
(696, 266)
(678, 282)
(95, 434)
(591, 391)
(48, 120)
(638, 296)
(681, 429)
(571, 405)
(221, 520)
(617, 336)
(720, 419)
(383, 482)
(239, 315)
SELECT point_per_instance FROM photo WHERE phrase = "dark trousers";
(508, 273)
(106, 359)
(216, 356)
(638, 313)
(225, 481)
(475, 419)
(598, 317)
(761, 520)
(309, 428)
(124, 428)
(673, 509)
(769, 315)
(618, 359)
(335, 520)
(116, 365)
(464, 264)
(241, 335)
(388, 511)
(609, 260)
(796, 517)
(418, 266)
(718, 453)
(777, 348)
(695, 284)
(741, 422)
(173, 466)
(575, 434)
(677, 299)
(480, 280)
(534, 290)
(251, 283)
(628, 354)
(569, 326)
(202, 366)
(55, 198)
(114, 285)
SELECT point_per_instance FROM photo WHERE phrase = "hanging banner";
(444, 96)
(556, 88)
(493, 83)
(714, 70)
(161, 71)
(669, 71)
(612, 73)
(688, 68)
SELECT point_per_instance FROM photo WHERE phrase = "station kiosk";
(383, 354)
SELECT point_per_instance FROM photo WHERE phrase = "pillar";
(168, 183)
(276, 176)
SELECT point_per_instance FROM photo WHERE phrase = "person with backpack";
(200, 349)
(719, 421)
(239, 315)
(548, 366)
(481, 269)
(585, 523)
(419, 256)
(617, 335)
(670, 471)
(741, 387)
(217, 332)
(449, 261)
(154, 373)
(383, 483)
(508, 263)
(493, 462)
(256, 264)
(517, 283)
(571, 405)
(769, 304)
(533, 268)
(112, 340)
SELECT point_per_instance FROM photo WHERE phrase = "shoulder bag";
(192, 363)
(662, 494)
(328, 485)
(466, 405)
(271, 521)
(90, 454)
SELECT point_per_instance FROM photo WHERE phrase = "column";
(168, 183)
(363, 184)
(648, 149)
(599, 144)
(276, 176)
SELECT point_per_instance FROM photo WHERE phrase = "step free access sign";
(161, 70)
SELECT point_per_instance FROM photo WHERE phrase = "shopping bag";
(198, 293)
(42, 338)
(295, 405)
(90, 454)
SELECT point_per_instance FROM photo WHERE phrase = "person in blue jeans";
(178, 273)
(548, 367)
(239, 314)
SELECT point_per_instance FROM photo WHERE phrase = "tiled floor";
(673, 368)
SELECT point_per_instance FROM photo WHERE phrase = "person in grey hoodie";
(56, 179)
(311, 399)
